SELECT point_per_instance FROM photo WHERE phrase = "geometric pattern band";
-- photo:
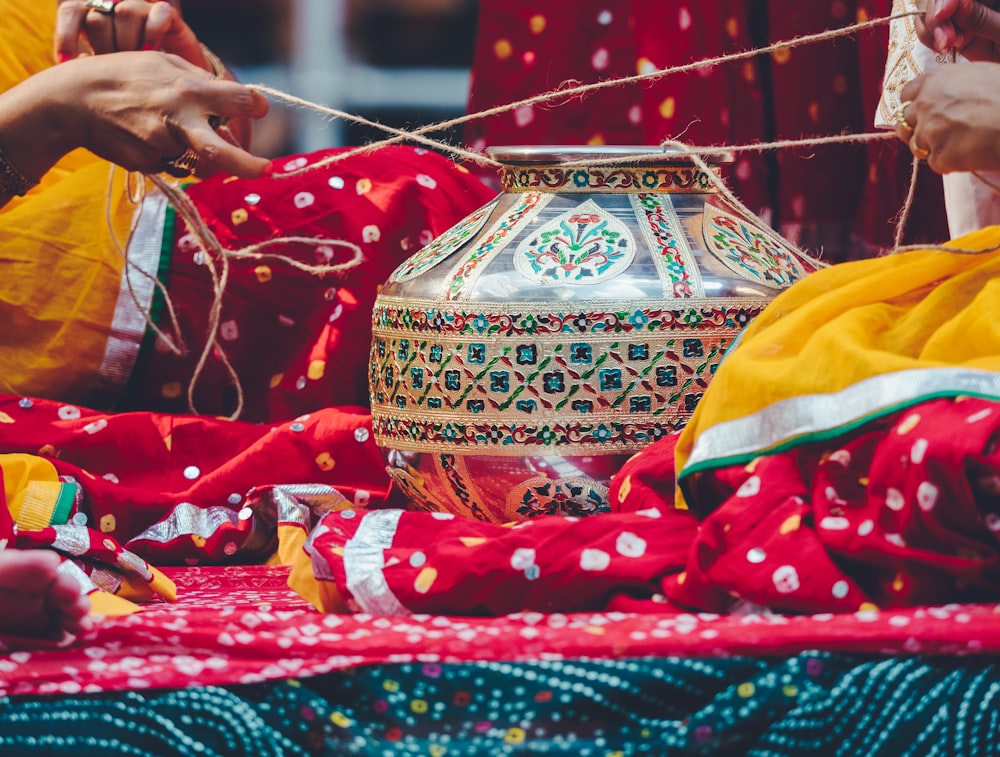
(516, 378)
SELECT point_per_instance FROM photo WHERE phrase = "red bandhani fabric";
(393, 562)
(901, 512)
(840, 199)
(242, 624)
(238, 624)
(297, 341)
(178, 489)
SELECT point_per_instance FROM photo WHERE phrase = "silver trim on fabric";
(186, 520)
(321, 566)
(71, 539)
(813, 413)
(107, 580)
(135, 564)
(74, 571)
(304, 504)
(128, 325)
(364, 561)
(288, 504)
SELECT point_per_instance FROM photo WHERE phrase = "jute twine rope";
(217, 259)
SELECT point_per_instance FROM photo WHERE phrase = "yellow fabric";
(135, 588)
(291, 541)
(323, 595)
(60, 270)
(850, 322)
(110, 605)
(27, 39)
(31, 489)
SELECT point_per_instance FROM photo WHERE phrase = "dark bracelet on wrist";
(12, 181)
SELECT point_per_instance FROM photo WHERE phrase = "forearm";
(34, 133)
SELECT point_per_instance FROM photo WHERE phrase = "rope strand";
(558, 93)
(213, 251)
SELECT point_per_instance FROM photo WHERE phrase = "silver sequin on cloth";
(128, 325)
(135, 564)
(266, 508)
(187, 520)
(74, 571)
(107, 580)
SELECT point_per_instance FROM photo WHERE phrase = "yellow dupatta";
(850, 343)
(60, 269)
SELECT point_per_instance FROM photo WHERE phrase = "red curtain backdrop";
(836, 200)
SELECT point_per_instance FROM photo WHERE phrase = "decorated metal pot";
(521, 357)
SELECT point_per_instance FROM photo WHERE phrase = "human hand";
(37, 599)
(144, 108)
(136, 109)
(132, 25)
(972, 27)
(129, 25)
(951, 117)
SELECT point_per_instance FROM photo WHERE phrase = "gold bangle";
(12, 181)
(218, 67)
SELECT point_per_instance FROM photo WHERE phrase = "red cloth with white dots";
(171, 488)
(297, 341)
(901, 534)
(835, 526)
(840, 200)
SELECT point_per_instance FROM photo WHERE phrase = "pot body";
(521, 357)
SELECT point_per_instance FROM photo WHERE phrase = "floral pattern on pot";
(576, 383)
(585, 245)
(577, 496)
(673, 179)
(672, 255)
(464, 275)
(749, 251)
(444, 245)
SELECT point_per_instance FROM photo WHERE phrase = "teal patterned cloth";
(812, 704)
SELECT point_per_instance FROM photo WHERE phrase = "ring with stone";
(102, 6)
(183, 165)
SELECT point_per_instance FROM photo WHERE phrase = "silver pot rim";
(517, 155)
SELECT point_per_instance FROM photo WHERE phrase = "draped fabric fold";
(844, 458)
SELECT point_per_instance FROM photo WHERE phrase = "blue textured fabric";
(812, 704)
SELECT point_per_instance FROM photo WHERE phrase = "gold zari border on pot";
(673, 179)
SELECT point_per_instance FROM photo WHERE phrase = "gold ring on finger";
(183, 165)
(920, 153)
(900, 115)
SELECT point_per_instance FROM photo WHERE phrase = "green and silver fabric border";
(817, 417)
(135, 297)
